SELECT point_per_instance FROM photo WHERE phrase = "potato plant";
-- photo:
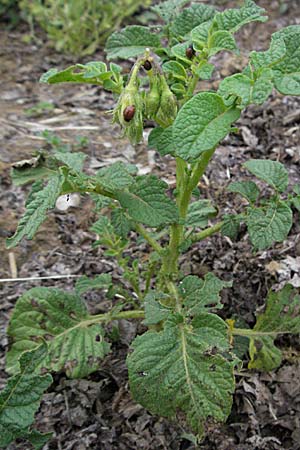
(184, 364)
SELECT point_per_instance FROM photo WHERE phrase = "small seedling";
(183, 365)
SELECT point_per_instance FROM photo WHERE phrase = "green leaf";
(199, 212)
(162, 140)
(246, 189)
(202, 294)
(233, 19)
(201, 124)
(175, 69)
(245, 89)
(155, 310)
(169, 9)
(280, 316)
(272, 172)
(146, 202)
(200, 35)
(115, 176)
(179, 51)
(231, 225)
(94, 72)
(20, 398)
(120, 222)
(221, 40)
(182, 368)
(267, 59)
(73, 160)
(74, 345)
(131, 41)
(85, 284)
(30, 170)
(287, 70)
(36, 211)
(190, 18)
(205, 71)
(269, 225)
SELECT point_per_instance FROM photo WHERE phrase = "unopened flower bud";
(152, 98)
(168, 106)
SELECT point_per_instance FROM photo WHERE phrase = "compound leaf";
(199, 212)
(183, 368)
(131, 41)
(246, 189)
(36, 211)
(146, 202)
(61, 319)
(201, 124)
(233, 19)
(272, 172)
(269, 225)
(85, 284)
(190, 18)
(282, 315)
(20, 398)
(201, 294)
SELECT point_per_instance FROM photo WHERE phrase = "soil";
(97, 413)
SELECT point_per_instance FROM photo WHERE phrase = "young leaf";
(221, 40)
(73, 160)
(275, 54)
(233, 19)
(20, 398)
(85, 284)
(272, 172)
(146, 202)
(131, 41)
(201, 294)
(115, 176)
(231, 225)
(190, 18)
(199, 212)
(155, 311)
(280, 316)
(36, 211)
(269, 225)
(169, 9)
(120, 222)
(287, 70)
(201, 124)
(246, 189)
(74, 345)
(183, 368)
(94, 72)
(162, 140)
(175, 69)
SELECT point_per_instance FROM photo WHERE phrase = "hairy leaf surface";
(201, 124)
(199, 295)
(20, 398)
(146, 202)
(116, 176)
(94, 72)
(155, 308)
(36, 211)
(60, 318)
(131, 41)
(169, 9)
(199, 212)
(233, 19)
(272, 172)
(221, 40)
(246, 189)
(162, 140)
(282, 315)
(183, 368)
(269, 225)
(85, 284)
(190, 18)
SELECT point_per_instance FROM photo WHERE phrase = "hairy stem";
(206, 233)
(143, 232)
(253, 333)
(109, 317)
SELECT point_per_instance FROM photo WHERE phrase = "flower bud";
(152, 98)
(168, 106)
